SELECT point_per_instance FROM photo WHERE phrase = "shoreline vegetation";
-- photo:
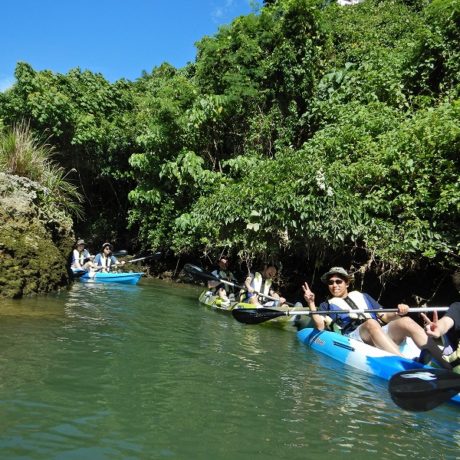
(306, 134)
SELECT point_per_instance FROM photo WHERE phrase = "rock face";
(35, 239)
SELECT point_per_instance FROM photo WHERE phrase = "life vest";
(348, 322)
(454, 360)
(228, 276)
(451, 352)
(261, 285)
(223, 274)
(79, 257)
(106, 262)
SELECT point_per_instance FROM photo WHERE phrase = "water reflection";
(146, 372)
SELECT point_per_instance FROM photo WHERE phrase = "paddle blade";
(156, 255)
(194, 270)
(121, 253)
(423, 389)
(78, 273)
(256, 315)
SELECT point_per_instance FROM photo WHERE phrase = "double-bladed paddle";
(79, 273)
(194, 270)
(260, 315)
(423, 389)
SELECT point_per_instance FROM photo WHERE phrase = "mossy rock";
(34, 243)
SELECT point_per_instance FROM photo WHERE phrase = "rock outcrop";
(35, 239)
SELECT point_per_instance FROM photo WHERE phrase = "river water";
(146, 372)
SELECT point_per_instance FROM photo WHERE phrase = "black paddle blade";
(194, 270)
(78, 273)
(256, 315)
(423, 389)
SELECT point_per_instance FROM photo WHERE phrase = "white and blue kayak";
(109, 277)
(361, 356)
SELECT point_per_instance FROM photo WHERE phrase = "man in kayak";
(262, 283)
(222, 271)
(385, 331)
(448, 327)
(104, 261)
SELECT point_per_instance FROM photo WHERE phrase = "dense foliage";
(23, 155)
(306, 129)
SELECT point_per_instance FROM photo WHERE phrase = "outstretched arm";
(309, 296)
(247, 284)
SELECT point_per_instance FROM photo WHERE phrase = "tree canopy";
(306, 129)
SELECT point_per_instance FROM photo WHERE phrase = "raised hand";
(431, 326)
(308, 294)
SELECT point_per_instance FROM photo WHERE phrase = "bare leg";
(372, 334)
(404, 327)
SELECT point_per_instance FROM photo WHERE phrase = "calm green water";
(145, 372)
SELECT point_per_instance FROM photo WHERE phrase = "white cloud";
(220, 11)
(6, 83)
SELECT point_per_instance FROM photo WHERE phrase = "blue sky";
(118, 38)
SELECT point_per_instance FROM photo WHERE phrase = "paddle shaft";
(346, 312)
(380, 310)
(198, 271)
(265, 296)
(260, 315)
(140, 258)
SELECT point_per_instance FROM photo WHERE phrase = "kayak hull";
(215, 302)
(284, 322)
(361, 356)
(102, 277)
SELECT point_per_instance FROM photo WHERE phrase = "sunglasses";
(338, 282)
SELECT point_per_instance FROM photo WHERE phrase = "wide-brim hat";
(340, 271)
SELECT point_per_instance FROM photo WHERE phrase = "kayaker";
(104, 261)
(385, 331)
(81, 258)
(262, 282)
(448, 327)
(222, 271)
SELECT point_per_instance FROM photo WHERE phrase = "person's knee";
(406, 323)
(371, 325)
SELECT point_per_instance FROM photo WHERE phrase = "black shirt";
(453, 334)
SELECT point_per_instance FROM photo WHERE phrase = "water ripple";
(110, 372)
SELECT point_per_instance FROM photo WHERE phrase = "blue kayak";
(110, 277)
(361, 356)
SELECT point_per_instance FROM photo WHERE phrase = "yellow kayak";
(286, 322)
